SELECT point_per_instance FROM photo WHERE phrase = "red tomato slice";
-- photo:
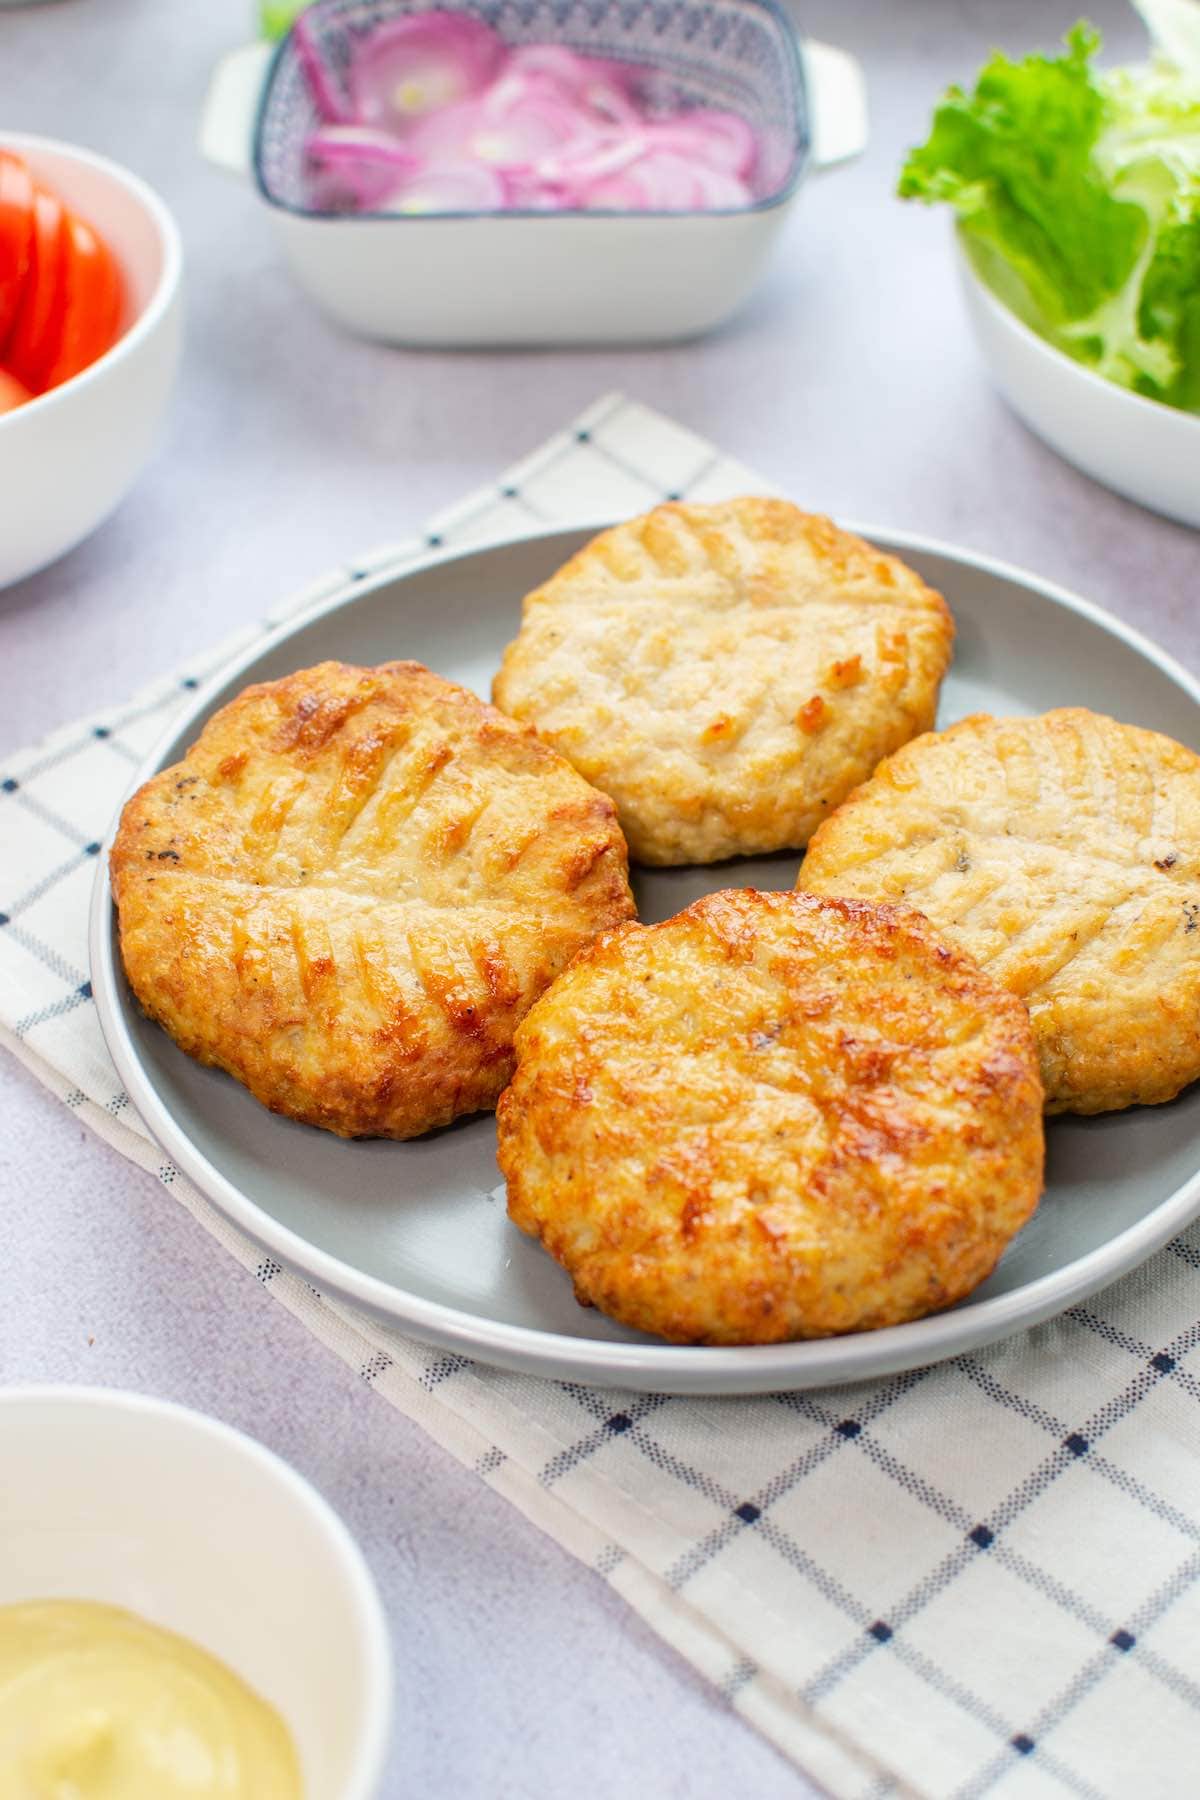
(38, 328)
(16, 237)
(13, 393)
(92, 303)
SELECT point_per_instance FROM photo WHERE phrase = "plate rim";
(669, 1368)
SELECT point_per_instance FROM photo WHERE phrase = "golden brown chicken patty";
(353, 887)
(727, 673)
(1063, 853)
(773, 1117)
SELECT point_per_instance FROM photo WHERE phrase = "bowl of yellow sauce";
(182, 1617)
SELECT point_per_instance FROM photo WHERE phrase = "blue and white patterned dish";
(545, 278)
(417, 1233)
(736, 55)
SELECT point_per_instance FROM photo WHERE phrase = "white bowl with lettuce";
(1077, 191)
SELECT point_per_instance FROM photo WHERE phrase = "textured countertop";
(851, 381)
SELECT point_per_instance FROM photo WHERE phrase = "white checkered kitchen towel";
(981, 1577)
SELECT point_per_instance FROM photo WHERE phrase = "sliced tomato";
(92, 307)
(16, 237)
(37, 331)
(13, 393)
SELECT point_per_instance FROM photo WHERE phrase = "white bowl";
(544, 278)
(70, 456)
(134, 1502)
(1145, 450)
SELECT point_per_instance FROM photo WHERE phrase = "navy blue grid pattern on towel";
(976, 1579)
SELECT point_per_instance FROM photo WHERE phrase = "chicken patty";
(773, 1116)
(353, 887)
(1062, 852)
(727, 673)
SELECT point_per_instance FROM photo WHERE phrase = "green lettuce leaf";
(1078, 192)
(1169, 314)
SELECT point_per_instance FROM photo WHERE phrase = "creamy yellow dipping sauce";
(98, 1704)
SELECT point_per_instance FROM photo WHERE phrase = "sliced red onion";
(612, 89)
(603, 87)
(529, 193)
(615, 193)
(445, 119)
(349, 187)
(517, 84)
(722, 139)
(610, 103)
(669, 183)
(354, 167)
(528, 129)
(448, 187)
(402, 71)
(723, 192)
(507, 136)
(329, 102)
(776, 156)
(553, 62)
(444, 133)
(661, 181)
(359, 143)
(584, 161)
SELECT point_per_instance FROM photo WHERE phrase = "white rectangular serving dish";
(472, 280)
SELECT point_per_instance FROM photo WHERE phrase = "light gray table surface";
(851, 381)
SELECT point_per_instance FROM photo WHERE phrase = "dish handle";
(231, 107)
(837, 94)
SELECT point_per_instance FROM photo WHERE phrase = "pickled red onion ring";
(356, 166)
(669, 183)
(554, 61)
(506, 136)
(442, 116)
(528, 129)
(349, 187)
(405, 69)
(602, 86)
(360, 143)
(529, 193)
(328, 101)
(584, 162)
(448, 187)
(616, 193)
(722, 139)
(661, 181)
(445, 132)
(724, 192)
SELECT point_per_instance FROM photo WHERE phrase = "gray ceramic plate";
(417, 1234)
